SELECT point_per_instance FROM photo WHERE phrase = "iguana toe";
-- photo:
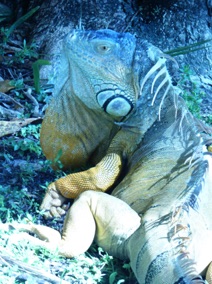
(55, 212)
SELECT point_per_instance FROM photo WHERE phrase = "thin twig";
(29, 95)
(41, 274)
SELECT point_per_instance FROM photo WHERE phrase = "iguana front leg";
(99, 178)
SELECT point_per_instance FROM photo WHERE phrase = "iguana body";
(115, 106)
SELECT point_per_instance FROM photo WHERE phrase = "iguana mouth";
(114, 102)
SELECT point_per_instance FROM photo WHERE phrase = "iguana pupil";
(114, 103)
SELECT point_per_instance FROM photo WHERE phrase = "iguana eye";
(103, 48)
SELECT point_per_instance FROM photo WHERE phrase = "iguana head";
(101, 65)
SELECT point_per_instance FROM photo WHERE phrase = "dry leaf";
(10, 127)
(5, 86)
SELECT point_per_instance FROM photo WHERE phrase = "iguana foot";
(53, 204)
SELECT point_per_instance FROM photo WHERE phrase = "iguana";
(116, 112)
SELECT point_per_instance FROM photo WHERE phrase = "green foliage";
(116, 270)
(10, 197)
(7, 32)
(33, 130)
(18, 84)
(27, 51)
(191, 92)
(208, 119)
(83, 269)
(24, 52)
(27, 139)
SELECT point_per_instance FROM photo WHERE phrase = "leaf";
(126, 266)
(190, 48)
(16, 147)
(36, 66)
(5, 86)
(10, 127)
(112, 277)
(20, 21)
